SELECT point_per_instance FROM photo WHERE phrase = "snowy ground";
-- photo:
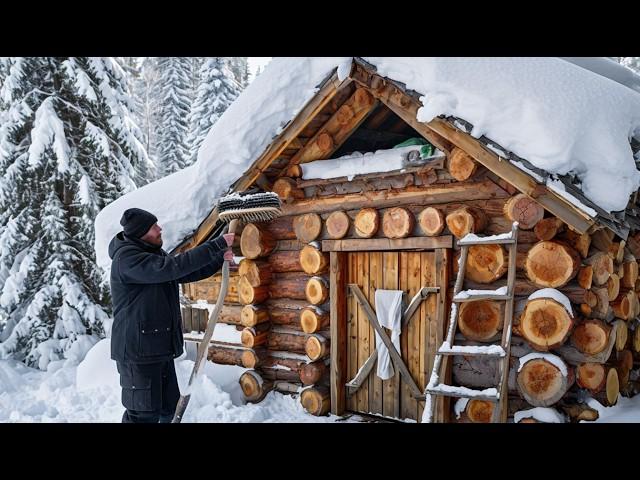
(90, 392)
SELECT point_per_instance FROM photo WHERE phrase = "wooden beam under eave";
(277, 146)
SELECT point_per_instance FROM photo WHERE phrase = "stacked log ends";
(307, 227)
(541, 382)
(252, 315)
(257, 272)
(312, 319)
(317, 347)
(251, 295)
(524, 210)
(609, 396)
(431, 221)
(253, 386)
(337, 225)
(548, 228)
(480, 411)
(313, 261)
(367, 222)
(486, 263)
(480, 320)
(591, 376)
(287, 190)
(622, 334)
(256, 242)
(253, 358)
(551, 264)
(317, 291)
(316, 400)
(460, 164)
(397, 222)
(580, 242)
(602, 267)
(545, 323)
(591, 336)
(312, 373)
(466, 220)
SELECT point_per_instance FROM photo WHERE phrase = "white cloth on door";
(389, 313)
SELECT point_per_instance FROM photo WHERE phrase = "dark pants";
(150, 392)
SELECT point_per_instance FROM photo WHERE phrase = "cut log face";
(591, 336)
(461, 165)
(397, 222)
(612, 388)
(545, 324)
(541, 383)
(548, 228)
(486, 263)
(367, 222)
(480, 320)
(602, 267)
(591, 376)
(256, 272)
(480, 411)
(313, 320)
(253, 387)
(307, 227)
(337, 225)
(431, 221)
(316, 400)
(613, 286)
(585, 277)
(256, 242)
(551, 264)
(252, 315)
(524, 210)
(636, 339)
(624, 305)
(317, 347)
(622, 334)
(317, 291)
(580, 242)
(466, 220)
(630, 274)
(313, 261)
(249, 295)
(287, 190)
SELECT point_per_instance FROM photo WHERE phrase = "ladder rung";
(479, 296)
(488, 394)
(485, 241)
(472, 351)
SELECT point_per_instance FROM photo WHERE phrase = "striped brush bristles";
(257, 207)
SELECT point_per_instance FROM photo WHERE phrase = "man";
(147, 330)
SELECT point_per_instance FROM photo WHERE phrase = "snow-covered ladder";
(495, 395)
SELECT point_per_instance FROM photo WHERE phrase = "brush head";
(256, 207)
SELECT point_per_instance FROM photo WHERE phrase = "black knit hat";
(137, 222)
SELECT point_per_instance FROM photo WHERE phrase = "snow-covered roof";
(562, 118)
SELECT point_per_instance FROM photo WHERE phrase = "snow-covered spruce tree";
(240, 68)
(632, 62)
(68, 148)
(217, 89)
(172, 127)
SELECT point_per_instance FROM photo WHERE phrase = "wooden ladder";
(496, 394)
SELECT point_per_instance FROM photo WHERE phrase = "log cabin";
(304, 331)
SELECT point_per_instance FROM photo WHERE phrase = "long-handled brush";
(258, 207)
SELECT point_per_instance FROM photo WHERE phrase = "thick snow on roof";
(559, 116)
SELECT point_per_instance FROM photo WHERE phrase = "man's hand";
(229, 237)
(228, 256)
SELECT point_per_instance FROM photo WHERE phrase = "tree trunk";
(257, 273)
(256, 242)
(397, 222)
(316, 400)
(460, 165)
(314, 261)
(524, 210)
(547, 228)
(480, 320)
(307, 227)
(313, 319)
(253, 315)
(541, 383)
(486, 263)
(591, 336)
(287, 190)
(551, 264)
(545, 324)
(466, 220)
(431, 221)
(602, 267)
(367, 222)
(337, 225)
(317, 291)
(317, 347)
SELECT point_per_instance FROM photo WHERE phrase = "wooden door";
(407, 271)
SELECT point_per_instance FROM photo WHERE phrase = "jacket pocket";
(155, 341)
(136, 389)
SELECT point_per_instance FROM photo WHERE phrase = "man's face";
(154, 235)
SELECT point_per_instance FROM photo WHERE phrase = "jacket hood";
(121, 240)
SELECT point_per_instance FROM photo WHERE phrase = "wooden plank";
(186, 319)
(387, 244)
(313, 107)
(390, 404)
(427, 319)
(405, 393)
(376, 267)
(413, 327)
(362, 279)
(443, 266)
(338, 328)
(352, 329)
(483, 189)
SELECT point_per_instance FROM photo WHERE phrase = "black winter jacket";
(147, 326)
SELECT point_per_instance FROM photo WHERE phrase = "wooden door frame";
(338, 252)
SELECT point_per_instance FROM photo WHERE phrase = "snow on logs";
(551, 264)
(524, 210)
